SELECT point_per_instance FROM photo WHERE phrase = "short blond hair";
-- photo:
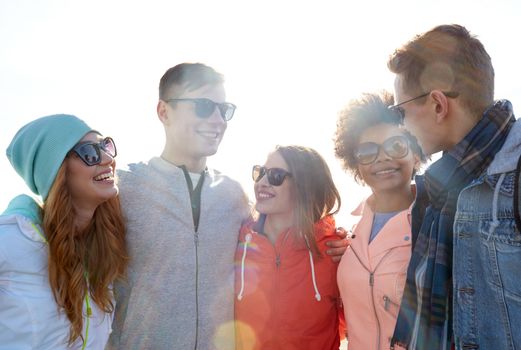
(448, 58)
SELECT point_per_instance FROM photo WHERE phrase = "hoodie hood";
(25, 206)
(506, 159)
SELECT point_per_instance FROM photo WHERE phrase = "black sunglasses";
(396, 147)
(204, 107)
(401, 112)
(90, 152)
(276, 176)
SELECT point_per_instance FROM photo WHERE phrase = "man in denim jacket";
(461, 282)
(487, 255)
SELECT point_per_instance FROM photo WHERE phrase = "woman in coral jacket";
(371, 276)
(286, 292)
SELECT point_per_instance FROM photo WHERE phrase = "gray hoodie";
(179, 293)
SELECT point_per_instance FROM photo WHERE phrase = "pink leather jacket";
(371, 278)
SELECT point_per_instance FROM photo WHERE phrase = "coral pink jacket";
(285, 298)
(371, 278)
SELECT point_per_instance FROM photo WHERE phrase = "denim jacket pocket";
(504, 231)
(502, 247)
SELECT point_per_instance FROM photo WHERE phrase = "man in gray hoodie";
(462, 282)
(183, 221)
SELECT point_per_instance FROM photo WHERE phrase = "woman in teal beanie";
(58, 260)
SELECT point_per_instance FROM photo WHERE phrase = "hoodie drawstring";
(313, 278)
(495, 221)
(317, 293)
(247, 240)
(245, 249)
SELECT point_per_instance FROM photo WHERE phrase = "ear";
(441, 105)
(416, 166)
(162, 111)
(417, 163)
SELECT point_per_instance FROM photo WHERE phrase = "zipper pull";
(371, 279)
(196, 238)
(386, 302)
(277, 260)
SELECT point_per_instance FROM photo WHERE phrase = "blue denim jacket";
(487, 257)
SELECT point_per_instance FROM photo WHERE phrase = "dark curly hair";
(360, 114)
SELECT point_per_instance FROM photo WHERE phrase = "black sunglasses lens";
(366, 153)
(204, 108)
(276, 176)
(257, 173)
(109, 146)
(401, 113)
(89, 153)
(227, 110)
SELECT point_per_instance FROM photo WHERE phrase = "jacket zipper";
(371, 284)
(276, 278)
(378, 329)
(276, 288)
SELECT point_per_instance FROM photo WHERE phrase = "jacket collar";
(395, 233)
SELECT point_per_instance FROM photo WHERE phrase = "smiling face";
(386, 174)
(89, 186)
(189, 138)
(275, 200)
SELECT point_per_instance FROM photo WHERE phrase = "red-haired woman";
(58, 260)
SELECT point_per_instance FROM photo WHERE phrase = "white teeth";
(264, 195)
(105, 176)
(382, 172)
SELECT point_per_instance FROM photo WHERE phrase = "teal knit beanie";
(38, 149)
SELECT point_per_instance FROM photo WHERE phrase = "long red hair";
(98, 254)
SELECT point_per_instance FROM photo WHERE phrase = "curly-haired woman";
(379, 152)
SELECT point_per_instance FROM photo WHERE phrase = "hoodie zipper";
(196, 244)
(276, 276)
(276, 289)
(195, 203)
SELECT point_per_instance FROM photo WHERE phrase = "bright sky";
(289, 65)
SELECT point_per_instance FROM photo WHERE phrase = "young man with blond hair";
(461, 283)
